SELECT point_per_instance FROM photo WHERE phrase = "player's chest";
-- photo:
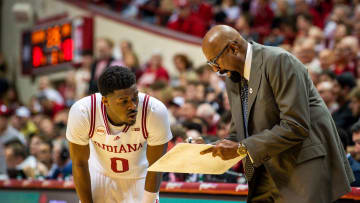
(131, 140)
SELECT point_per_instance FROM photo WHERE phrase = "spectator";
(224, 125)
(262, 16)
(49, 107)
(228, 12)
(62, 166)
(184, 20)
(338, 16)
(340, 32)
(129, 58)
(104, 58)
(329, 76)
(201, 9)
(303, 25)
(44, 155)
(308, 55)
(355, 102)
(184, 67)
(191, 93)
(187, 111)
(356, 30)
(127, 49)
(208, 114)
(154, 71)
(15, 154)
(354, 159)
(68, 89)
(148, 9)
(242, 25)
(17, 161)
(282, 12)
(47, 128)
(356, 15)
(325, 90)
(47, 91)
(82, 75)
(326, 58)
(320, 11)
(343, 59)
(7, 132)
(34, 142)
(351, 43)
(317, 35)
(22, 122)
(343, 117)
(179, 136)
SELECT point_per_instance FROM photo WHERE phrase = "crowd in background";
(323, 34)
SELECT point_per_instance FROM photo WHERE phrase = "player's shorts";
(110, 190)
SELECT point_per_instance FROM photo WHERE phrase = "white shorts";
(110, 190)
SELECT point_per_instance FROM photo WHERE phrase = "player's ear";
(105, 100)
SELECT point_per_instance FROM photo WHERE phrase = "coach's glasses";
(213, 63)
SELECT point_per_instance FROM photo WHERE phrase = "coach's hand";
(225, 149)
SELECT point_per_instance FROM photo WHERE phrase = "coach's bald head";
(225, 49)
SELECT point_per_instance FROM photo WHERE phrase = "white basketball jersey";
(118, 152)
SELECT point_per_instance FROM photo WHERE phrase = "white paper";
(186, 158)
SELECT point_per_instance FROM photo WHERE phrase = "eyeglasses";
(213, 63)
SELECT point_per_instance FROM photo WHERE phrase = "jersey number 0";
(114, 164)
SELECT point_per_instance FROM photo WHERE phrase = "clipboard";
(186, 158)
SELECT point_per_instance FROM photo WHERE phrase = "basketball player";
(114, 136)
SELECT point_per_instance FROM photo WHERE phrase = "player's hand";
(225, 149)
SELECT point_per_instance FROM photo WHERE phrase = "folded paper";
(186, 158)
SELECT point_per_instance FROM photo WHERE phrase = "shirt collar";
(248, 58)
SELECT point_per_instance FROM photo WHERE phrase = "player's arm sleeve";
(78, 125)
(158, 124)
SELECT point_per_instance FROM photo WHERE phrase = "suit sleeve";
(288, 79)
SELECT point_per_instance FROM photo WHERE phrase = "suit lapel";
(255, 76)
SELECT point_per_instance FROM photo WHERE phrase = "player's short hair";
(115, 78)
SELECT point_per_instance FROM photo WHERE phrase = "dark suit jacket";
(291, 132)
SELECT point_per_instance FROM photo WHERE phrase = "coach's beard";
(235, 76)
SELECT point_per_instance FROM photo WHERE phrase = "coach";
(294, 153)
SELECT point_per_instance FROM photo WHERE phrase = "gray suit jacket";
(290, 129)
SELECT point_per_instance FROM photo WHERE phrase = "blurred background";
(53, 51)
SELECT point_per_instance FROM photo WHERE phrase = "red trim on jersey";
(92, 116)
(146, 131)
(103, 111)
(126, 128)
(143, 119)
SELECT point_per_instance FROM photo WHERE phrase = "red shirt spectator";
(154, 71)
(341, 68)
(202, 10)
(188, 22)
(320, 12)
(263, 17)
